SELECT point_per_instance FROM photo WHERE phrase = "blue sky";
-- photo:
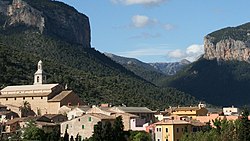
(158, 30)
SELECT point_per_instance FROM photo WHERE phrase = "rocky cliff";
(48, 17)
(232, 43)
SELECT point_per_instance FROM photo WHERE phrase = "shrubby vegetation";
(237, 33)
(224, 130)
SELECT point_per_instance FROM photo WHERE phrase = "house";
(143, 112)
(231, 111)
(171, 130)
(134, 118)
(84, 126)
(65, 109)
(101, 110)
(189, 112)
(56, 118)
(6, 114)
(43, 98)
(15, 124)
(77, 112)
(11, 126)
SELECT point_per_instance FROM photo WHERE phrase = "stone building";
(43, 98)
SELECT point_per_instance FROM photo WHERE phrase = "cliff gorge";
(48, 17)
(232, 43)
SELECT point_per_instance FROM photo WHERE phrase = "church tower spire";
(39, 77)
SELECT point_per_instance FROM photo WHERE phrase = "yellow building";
(171, 130)
(191, 112)
(43, 98)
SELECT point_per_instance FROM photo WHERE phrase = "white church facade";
(43, 98)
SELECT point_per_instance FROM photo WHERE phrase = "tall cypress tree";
(118, 128)
(107, 133)
(98, 132)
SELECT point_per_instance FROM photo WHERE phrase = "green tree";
(244, 130)
(98, 131)
(139, 136)
(107, 133)
(31, 132)
(66, 136)
(118, 128)
(25, 109)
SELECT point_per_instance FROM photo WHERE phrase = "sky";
(158, 30)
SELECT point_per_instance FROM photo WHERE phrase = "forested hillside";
(222, 83)
(92, 75)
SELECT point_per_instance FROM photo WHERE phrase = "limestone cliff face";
(227, 49)
(20, 12)
(49, 17)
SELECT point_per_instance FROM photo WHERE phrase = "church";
(43, 98)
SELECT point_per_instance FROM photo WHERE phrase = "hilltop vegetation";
(240, 33)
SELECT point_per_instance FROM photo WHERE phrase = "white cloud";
(146, 35)
(142, 21)
(191, 53)
(176, 54)
(139, 2)
(168, 26)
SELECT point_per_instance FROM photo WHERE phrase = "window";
(82, 126)
(23, 98)
(15, 98)
(166, 130)
(166, 139)
(158, 139)
(6, 99)
(177, 130)
(79, 119)
(41, 97)
(159, 129)
(37, 79)
(32, 97)
(89, 118)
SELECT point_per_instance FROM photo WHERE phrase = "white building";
(231, 111)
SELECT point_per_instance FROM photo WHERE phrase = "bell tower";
(39, 76)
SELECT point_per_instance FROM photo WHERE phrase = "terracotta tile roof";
(84, 108)
(135, 109)
(12, 121)
(171, 122)
(101, 116)
(125, 114)
(50, 116)
(184, 108)
(45, 123)
(60, 96)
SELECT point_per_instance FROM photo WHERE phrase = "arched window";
(37, 79)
